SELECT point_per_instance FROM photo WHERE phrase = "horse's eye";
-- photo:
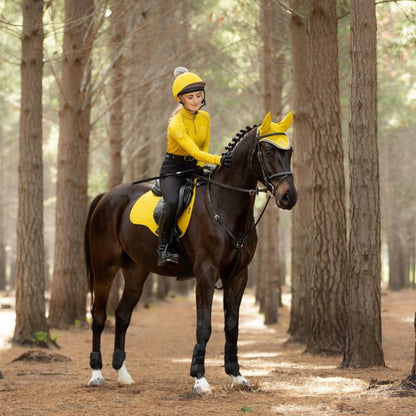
(269, 152)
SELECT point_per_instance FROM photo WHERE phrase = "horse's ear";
(265, 126)
(286, 122)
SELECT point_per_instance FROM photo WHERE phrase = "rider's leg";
(170, 184)
(165, 253)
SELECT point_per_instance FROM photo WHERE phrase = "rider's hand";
(226, 160)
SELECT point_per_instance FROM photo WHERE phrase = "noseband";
(267, 177)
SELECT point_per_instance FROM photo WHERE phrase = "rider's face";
(192, 101)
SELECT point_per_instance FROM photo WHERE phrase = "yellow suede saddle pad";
(142, 212)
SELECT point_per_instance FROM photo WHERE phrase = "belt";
(186, 158)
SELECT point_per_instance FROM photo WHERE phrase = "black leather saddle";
(185, 196)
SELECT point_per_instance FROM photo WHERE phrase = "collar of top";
(187, 114)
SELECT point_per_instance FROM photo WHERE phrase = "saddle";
(148, 209)
(185, 197)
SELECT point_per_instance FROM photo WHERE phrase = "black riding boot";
(165, 254)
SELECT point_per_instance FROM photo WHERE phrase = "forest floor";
(285, 381)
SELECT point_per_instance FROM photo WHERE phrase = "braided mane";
(237, 138)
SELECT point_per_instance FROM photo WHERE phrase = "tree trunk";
(163, 287)
(273, 32)
(395, 253)
(400, 212)
(69, 288)
(410, 381)
(363, 340)
(300, 312)
(272, 267)
(2, 219)
(30, 300)
(118, 31)
(2, 231)
(261, 259)
(329, 249)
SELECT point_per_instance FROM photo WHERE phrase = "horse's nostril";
(287, 200)
(286, 197)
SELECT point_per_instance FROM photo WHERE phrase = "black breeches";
(171, 184)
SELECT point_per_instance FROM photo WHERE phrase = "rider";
(188, 143)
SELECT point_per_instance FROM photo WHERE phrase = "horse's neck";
(241, 174)
(240, 177)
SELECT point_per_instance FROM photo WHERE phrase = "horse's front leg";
(233, 294)
(204, 295)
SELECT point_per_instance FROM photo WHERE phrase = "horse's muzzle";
(287, 199)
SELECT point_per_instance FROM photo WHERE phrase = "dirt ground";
(159, 346)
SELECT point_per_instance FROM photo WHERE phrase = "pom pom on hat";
(179, 70)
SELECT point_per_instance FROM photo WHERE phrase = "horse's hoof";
(124, 378)
(239, 381)
(96, 381)
(97, 378)
(201, 386)
(125, 381)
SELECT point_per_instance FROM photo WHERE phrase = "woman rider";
(188, 143)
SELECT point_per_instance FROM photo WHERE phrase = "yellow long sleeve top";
(188, 134)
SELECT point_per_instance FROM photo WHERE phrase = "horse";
(219, 243)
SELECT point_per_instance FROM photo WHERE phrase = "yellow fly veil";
(274, 133)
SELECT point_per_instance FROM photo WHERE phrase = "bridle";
(267, 177)
(270, 189)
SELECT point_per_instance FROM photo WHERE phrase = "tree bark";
(363, 340)
(329, 249)
(117, 42)
(69, 287)
(300, 312)
(400, 202)
(2, 228)
(273, 35)
(30, 300)
(410, 381)
(118, 31)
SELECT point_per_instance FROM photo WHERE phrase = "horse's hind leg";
(99, 317)
(134, 278)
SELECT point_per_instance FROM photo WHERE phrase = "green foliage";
(42, 338)
(397, 79)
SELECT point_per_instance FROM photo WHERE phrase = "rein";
(237, 242)
(180, 172)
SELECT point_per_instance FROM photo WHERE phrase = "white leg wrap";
(201, 386)
(124, 378)
(96, 379)
(239, 381)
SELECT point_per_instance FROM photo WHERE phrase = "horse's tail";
(90, 276)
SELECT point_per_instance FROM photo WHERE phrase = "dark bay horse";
(220, 243)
